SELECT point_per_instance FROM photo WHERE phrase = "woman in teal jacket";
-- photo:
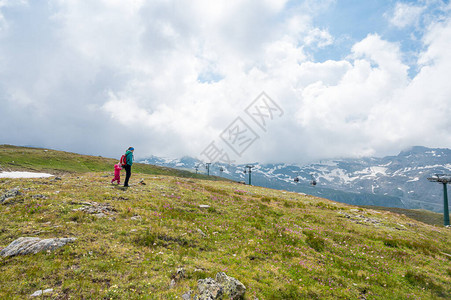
(128, 164)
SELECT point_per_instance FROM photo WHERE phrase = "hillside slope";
(13, 158)
(280, 245)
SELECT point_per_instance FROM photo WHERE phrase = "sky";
(233, 81)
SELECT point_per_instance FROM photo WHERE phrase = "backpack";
(123, 160)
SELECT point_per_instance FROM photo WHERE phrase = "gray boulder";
(95, 208)
(222, 285)
(232, 287)
(187, 296)
(209, 289)
(41, 292)
(10, 194)
(33, 245)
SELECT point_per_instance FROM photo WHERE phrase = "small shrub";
(287, 203)
(391, 243)
(265, 199)
(326, 206)
(78, 216)
(314, 242)
(300, 204)
(147, 239)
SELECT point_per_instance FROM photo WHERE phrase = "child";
(117, 173)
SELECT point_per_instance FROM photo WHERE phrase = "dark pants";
(128, 173)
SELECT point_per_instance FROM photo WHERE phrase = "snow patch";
(336, 173)
(372, 172)
(24, 175)
(414, 179)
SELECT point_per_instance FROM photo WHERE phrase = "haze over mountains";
(392, 181)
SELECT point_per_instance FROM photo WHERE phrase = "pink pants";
(116, 177)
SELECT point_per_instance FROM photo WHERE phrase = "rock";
(222, 285)
(179, 274)
(10, 194)
(95, 208)
(232, 287)
(39, 196)
(172, 284)
(204, 206)
(187, 296)
(209, 289)
(201, 233)
(57, 178)
(136, 218)
(40, 292)
(27, 245)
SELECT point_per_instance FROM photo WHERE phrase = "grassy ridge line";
(15, 158)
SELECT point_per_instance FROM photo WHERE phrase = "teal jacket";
(129, 157)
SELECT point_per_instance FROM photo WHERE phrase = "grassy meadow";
(280, 245)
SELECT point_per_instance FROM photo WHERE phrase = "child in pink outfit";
(117, 173)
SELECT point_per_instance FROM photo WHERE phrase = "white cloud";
(318, 37)
(8, 4)
(169, 76)
(406, 15)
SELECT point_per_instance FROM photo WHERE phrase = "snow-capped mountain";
(399, 181)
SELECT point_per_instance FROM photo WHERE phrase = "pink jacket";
(117, 170)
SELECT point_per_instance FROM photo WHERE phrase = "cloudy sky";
(341, 78)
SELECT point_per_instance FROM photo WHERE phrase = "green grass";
(280, 245)
(425, 216)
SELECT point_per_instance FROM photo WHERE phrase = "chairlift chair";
(313, 182)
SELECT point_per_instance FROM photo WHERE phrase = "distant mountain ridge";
(392, 181)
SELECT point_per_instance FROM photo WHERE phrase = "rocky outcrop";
(232, 287)
(97, 209)
(209, 289)
(222, 285)
(10, 195)
(33, 245)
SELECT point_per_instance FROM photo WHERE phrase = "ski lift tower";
(443, 179)
(207, 166)
(249, 170)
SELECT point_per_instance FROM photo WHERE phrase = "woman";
(128, 164)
